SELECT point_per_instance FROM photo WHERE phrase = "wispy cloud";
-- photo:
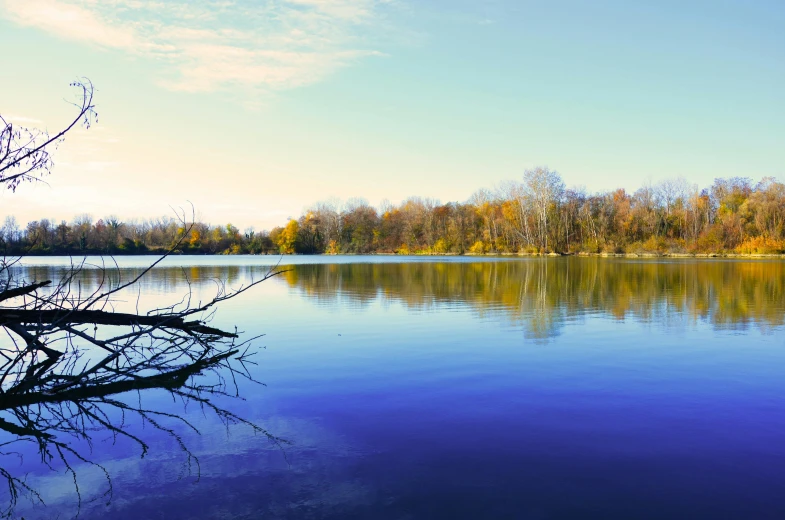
(21, 120)
(252, 44)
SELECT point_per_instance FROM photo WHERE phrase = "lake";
(460, 387)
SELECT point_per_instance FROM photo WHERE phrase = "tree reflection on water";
(540, 294)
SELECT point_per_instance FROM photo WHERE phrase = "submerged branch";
(61, 318)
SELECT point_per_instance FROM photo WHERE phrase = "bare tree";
(545, 189)
(25, 153)
(66, 354)
(669, 191)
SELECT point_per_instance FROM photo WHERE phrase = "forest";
(534, 215)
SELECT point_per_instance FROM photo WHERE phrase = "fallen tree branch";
(94, 317)
(21, 291)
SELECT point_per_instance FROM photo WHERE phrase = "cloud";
(69, 21)
(22, 120)
(349, 9)
(256, 45)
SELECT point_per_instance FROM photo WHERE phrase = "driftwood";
(21, 291)
(59, 317)
(66, 356)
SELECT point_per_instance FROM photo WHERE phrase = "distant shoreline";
(478, 255)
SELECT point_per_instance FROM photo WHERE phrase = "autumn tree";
(544, 189)
(358, 222)
(287, 238)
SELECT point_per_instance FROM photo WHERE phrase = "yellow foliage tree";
(478, 248)
(287, 240)
(196, 238)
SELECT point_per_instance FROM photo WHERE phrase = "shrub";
(654, 245)
(440, 247)
(761, 245)
(478, 248)
(333, 248)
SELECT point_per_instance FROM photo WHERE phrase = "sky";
(254, 110)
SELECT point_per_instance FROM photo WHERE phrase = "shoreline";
(647, 255)
(479, 255)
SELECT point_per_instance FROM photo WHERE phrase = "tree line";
(85, 235)
(536, 214)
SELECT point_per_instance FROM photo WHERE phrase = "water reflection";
(165, 281)
(659, 395)
(73, 370)
(62, 421)
(540, 295)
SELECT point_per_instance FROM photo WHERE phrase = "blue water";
(471, 388)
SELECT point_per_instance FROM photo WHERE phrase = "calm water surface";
(453, 388)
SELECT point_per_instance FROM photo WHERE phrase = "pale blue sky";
(253, 110)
